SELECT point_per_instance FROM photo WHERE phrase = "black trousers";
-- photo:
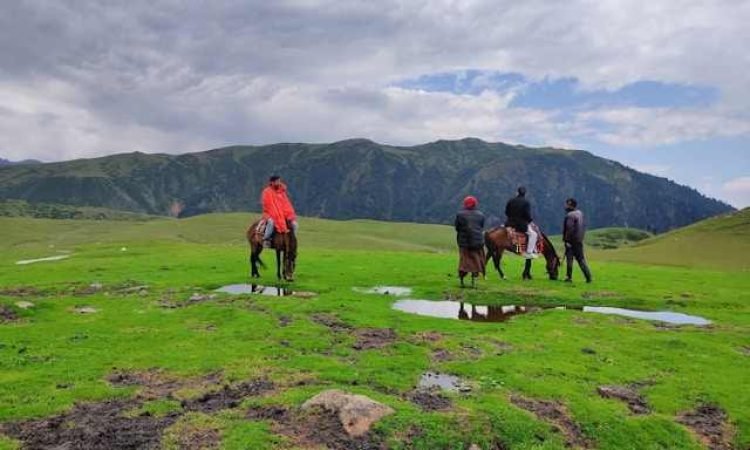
(575, 250)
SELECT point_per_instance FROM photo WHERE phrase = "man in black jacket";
(574, 230)
(469, 226)
(518, 213)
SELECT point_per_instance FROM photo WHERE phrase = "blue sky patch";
(562, 93)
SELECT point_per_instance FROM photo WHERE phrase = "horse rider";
(278, 211)
(518, 213)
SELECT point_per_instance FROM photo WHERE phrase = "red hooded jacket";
(277, 206)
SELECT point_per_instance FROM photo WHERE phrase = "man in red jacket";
(277, 209)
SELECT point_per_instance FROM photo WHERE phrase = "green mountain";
(362, 179)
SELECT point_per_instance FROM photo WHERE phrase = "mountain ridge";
(359, 178)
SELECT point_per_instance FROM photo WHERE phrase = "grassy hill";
(20, 208)
(719, 242)
(130, 330)
(358, 178)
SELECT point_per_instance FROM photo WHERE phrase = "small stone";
(24, 305)
(85, 310)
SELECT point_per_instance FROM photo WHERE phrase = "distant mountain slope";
(5, 162)
(21, 208)
(721, 242)
(361, 179)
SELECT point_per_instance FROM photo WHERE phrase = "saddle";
(261, 227)
(519, 239)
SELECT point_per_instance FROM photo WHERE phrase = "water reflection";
(273, 291)
(501, 313)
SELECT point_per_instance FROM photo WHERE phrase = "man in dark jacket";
(574, 230)
(469, 225)
(518, 213)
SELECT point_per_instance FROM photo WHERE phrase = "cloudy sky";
(660, 85)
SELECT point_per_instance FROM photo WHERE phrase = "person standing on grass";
(277, 210)
(469, 225)
(574, 230)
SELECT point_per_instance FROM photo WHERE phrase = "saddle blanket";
(519, 239)
(261, 228)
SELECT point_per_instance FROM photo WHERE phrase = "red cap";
(470, 202)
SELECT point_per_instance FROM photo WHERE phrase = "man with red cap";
(469, 225)
(277, 209)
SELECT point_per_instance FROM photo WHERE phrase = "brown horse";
(285, 245)
(498, 241)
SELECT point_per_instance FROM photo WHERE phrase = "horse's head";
(553, 266)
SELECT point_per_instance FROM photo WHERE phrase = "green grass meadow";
(52, 357)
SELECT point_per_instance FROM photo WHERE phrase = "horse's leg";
(473, 280)
(461, 276)
(527, 270)
(254, 257)
(498, 261)
(278, 263)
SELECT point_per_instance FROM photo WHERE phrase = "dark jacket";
(574, 227)
(518, 211)
(470, 228)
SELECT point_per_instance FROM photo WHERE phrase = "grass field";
(177, 349)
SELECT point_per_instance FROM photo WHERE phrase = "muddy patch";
(745, 350)
(96, 426)
(170, 303)
(557, 415)
(442, 355)
(628, 394)
(369, 338)
(228, 397)
(331, 321)
(320, 427)
(20, 291)
(429, 400)
(154, 383)
(188, 436)
(428, 336)
(284, 321)
(711, 425)
(7, 314)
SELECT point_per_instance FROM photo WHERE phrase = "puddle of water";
(49, 258)
(501, 313)
(462, 311)
(435, 380)
(273, 291)
(659, 316)
(398, 291)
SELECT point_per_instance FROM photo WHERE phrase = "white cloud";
(87, 78)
